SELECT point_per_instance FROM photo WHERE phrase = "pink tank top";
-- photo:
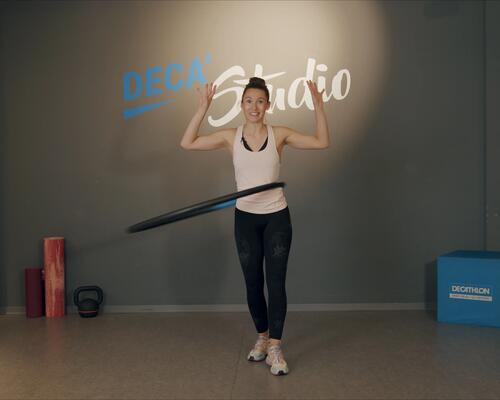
(258, 168)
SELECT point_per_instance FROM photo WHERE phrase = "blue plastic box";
(468, 287)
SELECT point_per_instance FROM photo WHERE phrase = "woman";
(262, 220)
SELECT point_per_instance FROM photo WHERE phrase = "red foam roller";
(53, 254)
(33, 286)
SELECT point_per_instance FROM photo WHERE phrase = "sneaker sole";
(280, 373)
(253, 359)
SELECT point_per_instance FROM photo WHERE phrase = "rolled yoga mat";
(201, 208)
(33, 288)
(53, 254)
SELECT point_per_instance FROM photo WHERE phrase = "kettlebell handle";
(96, 289)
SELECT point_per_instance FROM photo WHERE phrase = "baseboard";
(12, 310)
(243, 308)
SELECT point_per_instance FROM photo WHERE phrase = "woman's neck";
(253, 128)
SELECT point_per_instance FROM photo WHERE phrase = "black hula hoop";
(200, 208)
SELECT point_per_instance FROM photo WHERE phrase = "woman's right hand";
(205, 95)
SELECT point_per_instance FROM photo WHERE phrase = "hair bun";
(256, 83)
(254, 80)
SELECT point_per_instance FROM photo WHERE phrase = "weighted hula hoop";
(200, 208)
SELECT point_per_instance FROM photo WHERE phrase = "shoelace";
(261, 343)
(276, 355)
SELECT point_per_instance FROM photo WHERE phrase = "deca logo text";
(156, 80)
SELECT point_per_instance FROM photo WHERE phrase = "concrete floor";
(332, 355)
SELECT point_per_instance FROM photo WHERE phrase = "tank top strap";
(270, 135)
(237, 139)
(239, 133)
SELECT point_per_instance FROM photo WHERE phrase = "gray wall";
(493, 123)
(402, 183)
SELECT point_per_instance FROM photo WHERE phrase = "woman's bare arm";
(321, 139)
(192, 140)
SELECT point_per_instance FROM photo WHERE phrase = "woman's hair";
(256, 83)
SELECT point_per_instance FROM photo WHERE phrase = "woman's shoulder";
(279, 128)
(280, 131)
(227, 132)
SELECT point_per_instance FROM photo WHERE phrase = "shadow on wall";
(401, 223)
(130, 156)
(441, 8)
(204, 263)
(431, 287)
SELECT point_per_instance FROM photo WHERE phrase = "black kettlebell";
(88, 308)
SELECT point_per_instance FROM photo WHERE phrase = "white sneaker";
(276, 361)
(259, 351)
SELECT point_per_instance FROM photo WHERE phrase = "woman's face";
(254, 105)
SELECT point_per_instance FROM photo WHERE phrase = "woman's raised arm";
(191, 140)
(321, 139)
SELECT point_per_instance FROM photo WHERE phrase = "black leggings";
(268, 236)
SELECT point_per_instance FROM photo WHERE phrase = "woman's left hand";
(317, 97)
